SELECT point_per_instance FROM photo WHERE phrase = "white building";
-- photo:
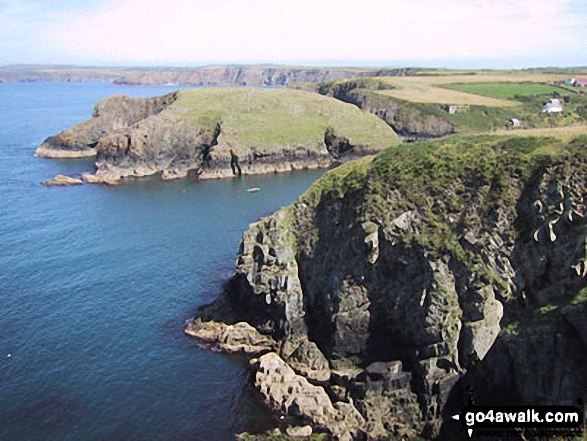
(554, 106)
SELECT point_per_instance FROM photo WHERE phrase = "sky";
(395, 33)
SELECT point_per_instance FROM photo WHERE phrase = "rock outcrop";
(250, 75)
(110, 116)
(449, 266)
(62, 181)
(261, 75)
(240, 337)
(217, 133)
(406, 119)
(292, 394)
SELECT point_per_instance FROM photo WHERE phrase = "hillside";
(433, 104)
(219, 132)
(462, 270)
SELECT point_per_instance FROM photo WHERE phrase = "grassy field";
(507, 90)
(439, 89)
(563, 133)
(273, 118)
(442, 72)
(420, 101)
(422, 90)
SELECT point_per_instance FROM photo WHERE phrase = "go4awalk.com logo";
(535, 420)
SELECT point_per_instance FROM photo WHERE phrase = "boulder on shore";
(62, 181)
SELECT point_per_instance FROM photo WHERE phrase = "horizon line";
(369, 64)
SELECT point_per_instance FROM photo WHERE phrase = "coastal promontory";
(219, 132)
(399, 287)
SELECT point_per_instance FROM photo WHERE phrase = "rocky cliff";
(219, 132)
(112, 115)
(406, 119)
(250, 75)
(396, 285)
(232, 75)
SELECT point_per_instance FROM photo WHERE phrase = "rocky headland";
(251, 75)
(399, 286)
(218, 132)
(410, 121)
(231, 75)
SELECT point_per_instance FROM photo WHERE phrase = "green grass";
(418, 101)
(521, 99)
(581, 297)
(453, 184)
(441, 180)
(268, 119)
(505, 90)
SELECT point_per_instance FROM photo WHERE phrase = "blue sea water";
(96, 283)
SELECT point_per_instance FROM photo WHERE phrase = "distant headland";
(219, 132)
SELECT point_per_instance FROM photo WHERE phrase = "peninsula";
(219, 132)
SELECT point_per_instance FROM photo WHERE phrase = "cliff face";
(219, 133)
(406, 120)
(110, 116)
(198, 76)
(396, 284)
(250, 75)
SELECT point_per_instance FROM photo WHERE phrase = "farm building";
(577, 82)
(554, 106)
(456, 109)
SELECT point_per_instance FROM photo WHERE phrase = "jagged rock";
(299, 432)
(62, 180)
(407, 121)
(380, 370)
(575, 316)
(240, 337)
(306, 359)
(95, 179)
(405, 290)
(372, 241)
(478, 336)
(110, 116)
(289, 393)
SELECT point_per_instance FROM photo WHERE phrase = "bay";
(96, 283)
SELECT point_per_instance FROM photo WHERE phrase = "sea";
(96, 283)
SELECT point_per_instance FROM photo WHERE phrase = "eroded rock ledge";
(394, 287)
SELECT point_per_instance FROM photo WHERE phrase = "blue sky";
(447, 33)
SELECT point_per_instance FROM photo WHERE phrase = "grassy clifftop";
(220, 132)
(426, 106)
(269, 119)
(455, 184)
(447, 243)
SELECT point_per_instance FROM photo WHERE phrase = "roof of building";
(554, 106)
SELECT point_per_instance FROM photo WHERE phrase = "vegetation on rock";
(219, 132)
(420, 272)
(418, 106)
